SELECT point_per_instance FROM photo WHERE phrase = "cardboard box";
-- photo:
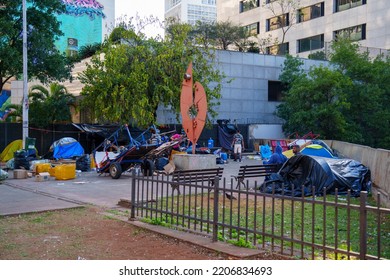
(169, 168)
(20, 174)
(43, 176)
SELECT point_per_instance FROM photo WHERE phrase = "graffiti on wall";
(91, 8)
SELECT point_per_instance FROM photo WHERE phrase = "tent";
(12, 147)
(66, 148)
(301, 173)
(317, 150)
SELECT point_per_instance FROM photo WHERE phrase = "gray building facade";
(254, 91)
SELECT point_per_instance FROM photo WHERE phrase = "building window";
(311, 12)
(277, 22)
(342, 5)
(209, 2)
(355, 33)
(311, 43)
(247, 5)
(201, 13)
(281, 49)
(171, 4)
(275, 91)
(252, 29)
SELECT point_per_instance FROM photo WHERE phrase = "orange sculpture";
(193, 107)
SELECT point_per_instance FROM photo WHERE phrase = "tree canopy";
(52, 105)
(133, 75)
(347, 101)
(44, 60)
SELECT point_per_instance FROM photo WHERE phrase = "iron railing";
(325, 227)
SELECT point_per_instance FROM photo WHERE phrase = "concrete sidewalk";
(26, 195)
(18, 196)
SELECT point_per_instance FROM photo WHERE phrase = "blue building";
(85, 22)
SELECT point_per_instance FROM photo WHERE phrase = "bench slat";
(195, 175)
(250, 171)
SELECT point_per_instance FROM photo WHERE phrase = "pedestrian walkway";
(19, 196)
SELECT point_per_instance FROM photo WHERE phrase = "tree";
(369, 114)
(44, 60)
(315, 102)
(227, 34)
(48, 106)
(221, 35)
(138, 75)
(348, 101)
(285, 12)
(203, 34)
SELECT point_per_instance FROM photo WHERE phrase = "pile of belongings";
(301, 174)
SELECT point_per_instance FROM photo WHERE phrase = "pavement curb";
(195, 239)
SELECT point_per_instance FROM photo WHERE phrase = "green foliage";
(89, 50)
(44, 60)
(348, 101)
(222, 35)
(50, 106)
(138, 75)
(320, 55)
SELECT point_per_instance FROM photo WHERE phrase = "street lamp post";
(25, 79)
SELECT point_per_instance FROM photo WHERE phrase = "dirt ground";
(88, 233)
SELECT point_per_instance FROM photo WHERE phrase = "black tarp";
(226, 132)
(300, 173)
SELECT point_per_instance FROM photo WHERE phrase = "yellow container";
(174, 152)
(52, 171)
(65, 171)
(42, 167)
(92, 165)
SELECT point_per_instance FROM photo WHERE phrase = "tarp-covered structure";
(317, 150)
(11, 148)
(226, 133)
(66, 148)
(301, 173)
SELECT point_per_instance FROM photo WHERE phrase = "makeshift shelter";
(317, 150)
(8, 152)
(66, 148)
(226, 132)
(301, 173)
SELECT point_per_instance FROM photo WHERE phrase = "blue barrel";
(210, 143)
(224, 156)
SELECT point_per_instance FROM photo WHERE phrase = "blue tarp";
(265, 151)
(67, 150)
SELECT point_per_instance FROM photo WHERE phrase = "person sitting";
(296, 149)
(277, 157)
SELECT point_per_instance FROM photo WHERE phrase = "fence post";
(363, 225)
(132, 212)
(215, 217)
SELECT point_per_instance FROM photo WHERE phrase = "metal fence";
(325, 227)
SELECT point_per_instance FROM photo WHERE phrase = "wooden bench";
(195, 175)
(253, 171)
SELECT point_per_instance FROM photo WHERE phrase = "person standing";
(238, 145)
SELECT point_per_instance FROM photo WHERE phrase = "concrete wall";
(378, 160)
(245, 99)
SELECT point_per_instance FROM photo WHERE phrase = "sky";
(144, 8)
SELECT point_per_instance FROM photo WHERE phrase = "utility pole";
(25, 78)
